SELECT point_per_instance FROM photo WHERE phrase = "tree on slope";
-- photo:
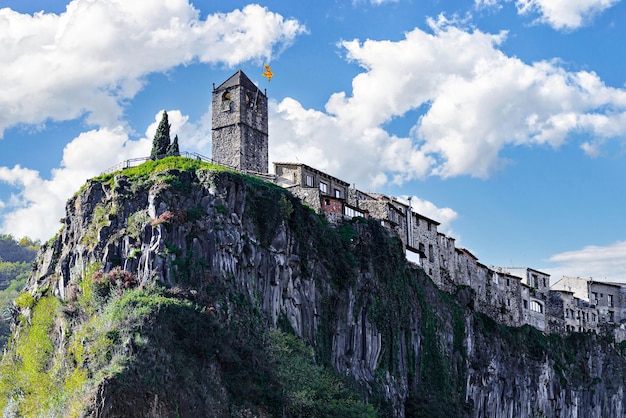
(161, 141)
(173, 147)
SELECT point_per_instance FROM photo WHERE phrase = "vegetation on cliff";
(16, 259)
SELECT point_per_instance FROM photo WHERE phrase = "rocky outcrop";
(240, 249)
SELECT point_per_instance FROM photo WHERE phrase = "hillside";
(179, 289)
(16, 259)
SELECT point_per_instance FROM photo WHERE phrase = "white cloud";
(600, 262)
(478, 101)
(560, 14)
(374, 2)
(93, 57)
(36, 208)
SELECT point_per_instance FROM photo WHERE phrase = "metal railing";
(133, 162)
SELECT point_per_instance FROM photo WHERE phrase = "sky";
(504, 119)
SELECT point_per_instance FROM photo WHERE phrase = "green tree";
(161, 141)
(173, 148)
(12, 251)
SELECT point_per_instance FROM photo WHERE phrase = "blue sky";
(506, 119)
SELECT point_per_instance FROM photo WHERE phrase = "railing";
(133, 162)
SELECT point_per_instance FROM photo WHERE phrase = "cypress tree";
(173, 148)
(161, 141)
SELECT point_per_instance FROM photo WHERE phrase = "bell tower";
(240, 134)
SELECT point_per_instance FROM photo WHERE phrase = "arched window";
(536, 306)
(226, 101)
(252, 99)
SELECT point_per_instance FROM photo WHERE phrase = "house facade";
(322, 192)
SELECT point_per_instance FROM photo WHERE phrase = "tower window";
(338, 193)
(252, 99)
(226, 101)
(323, 187)
(309, 180)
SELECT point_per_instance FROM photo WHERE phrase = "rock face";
(245, 252)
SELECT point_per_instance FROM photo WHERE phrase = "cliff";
(178, 289)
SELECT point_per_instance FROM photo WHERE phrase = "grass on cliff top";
(163, 164)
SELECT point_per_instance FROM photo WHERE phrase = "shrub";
(170, 217)
(25, 300)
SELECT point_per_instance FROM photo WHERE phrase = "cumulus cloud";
(560, 14)
(599, 262)
(93, 57)
(476, 101)
(35, 209)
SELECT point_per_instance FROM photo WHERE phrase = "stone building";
(535, 288)
(240, 125)
(423, 235)
(607, 299)
(322, 192)
(567, 313)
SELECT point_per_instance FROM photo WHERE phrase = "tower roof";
(238, 79)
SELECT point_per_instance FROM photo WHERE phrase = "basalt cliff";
(178, 289)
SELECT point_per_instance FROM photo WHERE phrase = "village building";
(608, 299)
(322, 192)
(567, 313)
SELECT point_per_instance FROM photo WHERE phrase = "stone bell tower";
(240, 138)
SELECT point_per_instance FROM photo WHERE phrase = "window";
(508, 283)
(611, 316)
(595, 297)
(252, 100)
(535, 281)
(226, 101)
(327, 202)
(323, 187)
(525, 304)
(431, 253)
(610, 300)
(338, 193)
(309, 180)
(348, 211)
(536, 306)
